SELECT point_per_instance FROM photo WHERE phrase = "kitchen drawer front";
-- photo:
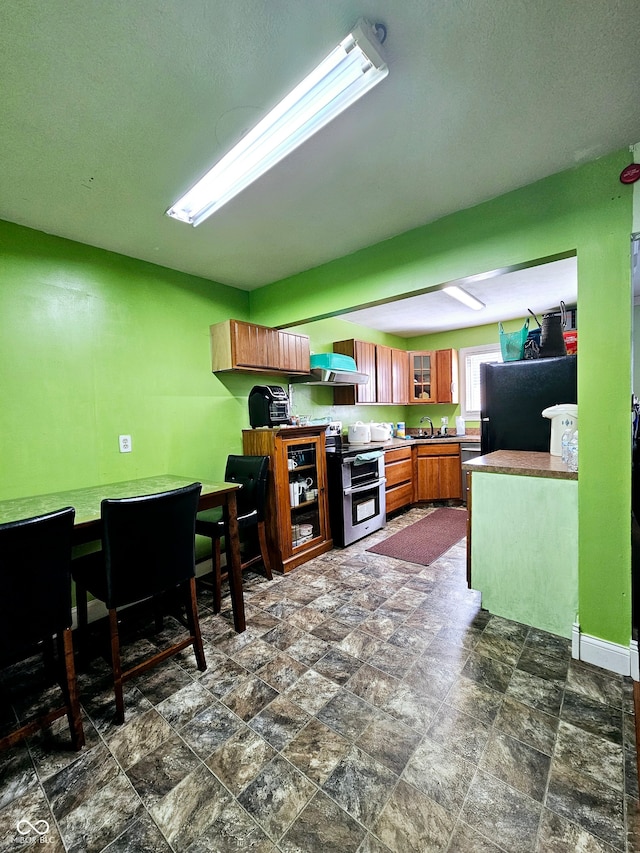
(438, 450)
(397, 454)
(398, 472)
(399, 496)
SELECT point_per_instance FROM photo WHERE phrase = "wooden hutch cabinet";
(297, 511)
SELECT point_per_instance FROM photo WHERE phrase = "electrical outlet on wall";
(125, 443)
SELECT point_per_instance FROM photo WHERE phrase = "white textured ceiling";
(506, 296)
(111, 109)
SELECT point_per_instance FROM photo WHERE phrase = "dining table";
(88, 525)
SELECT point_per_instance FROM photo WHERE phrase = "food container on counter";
(359, 433)
(380, 432)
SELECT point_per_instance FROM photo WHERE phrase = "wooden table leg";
(233, 558)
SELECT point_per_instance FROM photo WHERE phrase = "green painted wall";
(585, 210)
(93, 345)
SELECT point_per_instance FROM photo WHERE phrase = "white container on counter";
(562, 417)
(380, 432)
(359, 433)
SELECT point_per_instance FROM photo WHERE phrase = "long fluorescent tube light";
(348, 72)
(464, 297)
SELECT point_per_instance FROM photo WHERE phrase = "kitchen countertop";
(524, 463)
(393, 443)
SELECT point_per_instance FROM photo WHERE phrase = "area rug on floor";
(427, 539)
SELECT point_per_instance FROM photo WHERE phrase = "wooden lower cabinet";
(297, 527)
(398, 470)
(438, 472)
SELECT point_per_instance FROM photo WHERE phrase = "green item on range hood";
(332, 368)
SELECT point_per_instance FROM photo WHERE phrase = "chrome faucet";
(426, 418)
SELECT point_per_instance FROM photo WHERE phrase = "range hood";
(332, 369)
(329, 376)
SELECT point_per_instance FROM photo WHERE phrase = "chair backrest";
(252, 472)
(148, 543)
(35, 579)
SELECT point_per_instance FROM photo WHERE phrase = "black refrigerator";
(513, 395)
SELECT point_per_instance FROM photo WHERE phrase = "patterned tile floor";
(371, 706)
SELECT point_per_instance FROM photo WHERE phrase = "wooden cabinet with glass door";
(422, 377)
(433, 376)
(297, 512)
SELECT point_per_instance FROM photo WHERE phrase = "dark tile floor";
(370, 706)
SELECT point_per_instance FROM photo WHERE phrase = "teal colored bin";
(332, 361)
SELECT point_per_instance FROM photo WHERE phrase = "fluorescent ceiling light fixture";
(348, 72)
(464, 297)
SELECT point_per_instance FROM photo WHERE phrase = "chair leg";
(70, 689)
(116, 664)
(262, 537)
(191, 606)
(217, 575)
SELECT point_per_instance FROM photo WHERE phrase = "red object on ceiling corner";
(630, 174)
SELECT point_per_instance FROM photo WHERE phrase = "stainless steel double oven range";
(357, 504)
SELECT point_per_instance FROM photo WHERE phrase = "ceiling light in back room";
(464, 297)
(347, 73)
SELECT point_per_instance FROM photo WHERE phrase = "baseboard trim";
(634, 660)
(606, 655)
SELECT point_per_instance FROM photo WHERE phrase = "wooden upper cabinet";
(399, 376)
(247, 347)
(384, 375)
(294, 352)
(433, 376)
(364, 355)
(254, 346)
(447, 390)
(387, 368)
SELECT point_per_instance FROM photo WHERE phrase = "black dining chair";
(35, 606)
(251, 472)
(148, 552)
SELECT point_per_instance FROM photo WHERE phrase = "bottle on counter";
(567, 435)
(572, 456)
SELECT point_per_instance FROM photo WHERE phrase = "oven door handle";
(365, 488)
